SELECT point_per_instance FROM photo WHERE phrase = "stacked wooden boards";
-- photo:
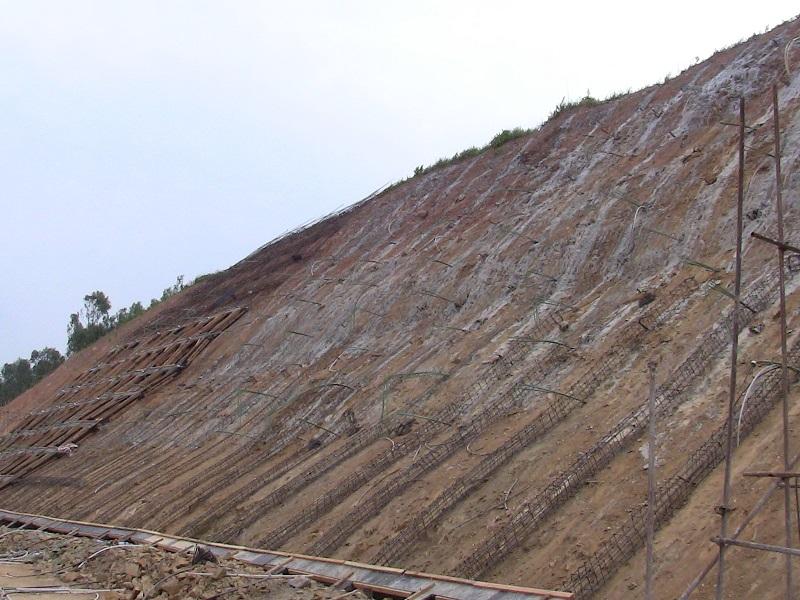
(125, 374)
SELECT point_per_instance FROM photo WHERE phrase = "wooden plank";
(525, 590)
(421, 593)
(343, 579)
(254, 558)
(279, 567)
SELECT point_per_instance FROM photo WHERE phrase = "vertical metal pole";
(651, 484)
(724, 509)
(787, 492)
(797, 503)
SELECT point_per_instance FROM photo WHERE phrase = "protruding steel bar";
(657, 232)
(697, 263)
(300, 333)
(721, 290)
(318, 426)
(410, 414)
(536, 388)
(545, 275)
(265, 394)
(314, 302)
(541, 341)
(435, 295)
(726, 485)
(737, 125)
(787, 493)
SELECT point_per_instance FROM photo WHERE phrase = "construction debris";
(145, 572)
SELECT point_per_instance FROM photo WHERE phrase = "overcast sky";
(143, 140)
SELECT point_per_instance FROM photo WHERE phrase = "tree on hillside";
(89, 324)
(95, 320)
(127, 314)
(174, 289)
(96, 306)
(18, 376)
(44, 361)
(85, 327)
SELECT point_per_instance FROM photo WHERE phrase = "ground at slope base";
(41, 559)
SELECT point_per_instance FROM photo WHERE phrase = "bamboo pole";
(756, 546)
(651, 484)
(755, 511)
(787, 493)
(724, 508)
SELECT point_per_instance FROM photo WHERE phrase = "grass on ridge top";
(506, 135)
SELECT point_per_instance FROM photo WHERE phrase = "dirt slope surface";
(450, 375)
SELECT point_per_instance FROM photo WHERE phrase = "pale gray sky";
(140, 140)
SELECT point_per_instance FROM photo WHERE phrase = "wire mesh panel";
(673, 493)
(435, 424)
(474, 395)
(562, 488)
(555, 411)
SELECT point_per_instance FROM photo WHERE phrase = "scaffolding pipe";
(724, 508)
(651, 484)
(787, 492)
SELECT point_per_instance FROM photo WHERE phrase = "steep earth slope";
(450, 374)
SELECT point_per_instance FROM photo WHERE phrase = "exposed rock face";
(413, 375)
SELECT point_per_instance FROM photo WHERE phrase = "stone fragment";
(171, 587)
(299, 582)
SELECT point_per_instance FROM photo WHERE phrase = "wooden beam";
(777, 474)
(422, 592)
(782, 245)
(343, 579)
(281, 566)
(756, 546)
